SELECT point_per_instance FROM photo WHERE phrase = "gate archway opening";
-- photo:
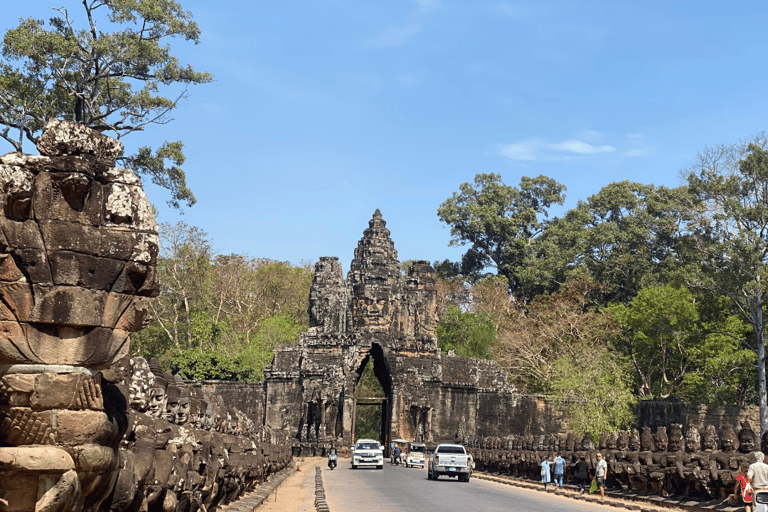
(373, 398)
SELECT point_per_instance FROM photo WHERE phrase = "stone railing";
(699, 465)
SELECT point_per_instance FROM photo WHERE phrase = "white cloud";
(582, 148)
(519, 151)
(538, 148)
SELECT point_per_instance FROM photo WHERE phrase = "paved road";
(396, 489)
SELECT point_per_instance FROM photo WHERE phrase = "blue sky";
(324, 111)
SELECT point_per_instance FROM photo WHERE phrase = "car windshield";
(367, 446)
(451, 449)
(419, 449)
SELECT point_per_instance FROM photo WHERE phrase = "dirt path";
(297, 492)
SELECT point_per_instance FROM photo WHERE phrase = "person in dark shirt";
(581, 473)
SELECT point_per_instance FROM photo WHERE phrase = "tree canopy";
(730, 234)
(499, 222)
(73, 69)
(237, 307)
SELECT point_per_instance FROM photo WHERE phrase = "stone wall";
(246, 397)
(659, 413)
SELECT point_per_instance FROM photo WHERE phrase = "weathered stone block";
(75, 428)
(68, 236)
(18, 298)
(91, 347)
(22, 234)
(47, 459)
(70, 138)
(76, 269)
(13, 346)
(9, 272)
(33, 263)
(73, 391)
(69, 306)
(132, 279)
(127, 206)
(68, 197)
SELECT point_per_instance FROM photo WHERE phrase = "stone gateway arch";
(378, 313)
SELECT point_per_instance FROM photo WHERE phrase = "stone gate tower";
(379, 313)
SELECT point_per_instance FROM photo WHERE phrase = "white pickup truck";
(450, 460)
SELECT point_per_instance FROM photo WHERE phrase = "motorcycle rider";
(332, 458)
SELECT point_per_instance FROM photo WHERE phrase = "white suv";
(367, 452)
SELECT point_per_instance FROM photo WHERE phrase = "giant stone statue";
(79, 251)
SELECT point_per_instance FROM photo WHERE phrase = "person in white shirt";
(758, 472)
(601, 473)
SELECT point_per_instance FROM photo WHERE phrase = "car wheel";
(354, 467)
(380, 466)
(429, 475)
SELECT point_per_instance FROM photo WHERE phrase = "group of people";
(752, 477)
(554, 470)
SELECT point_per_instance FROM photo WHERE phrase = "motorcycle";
(332, 460)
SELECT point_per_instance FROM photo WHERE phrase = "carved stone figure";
(142, 382)
(747, 438)
(79, 250)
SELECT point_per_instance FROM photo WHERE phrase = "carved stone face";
(194, 411)
(622, 441)
(587, 443)
(142, 381)
(156, 405)
(710, 440)
(747, 441)
(692, 439)
(372, 312)
(209, 419)
(646, 440)
(171, 404)
(634, 440)
(78, 251)
(182, 413)
(728, 441)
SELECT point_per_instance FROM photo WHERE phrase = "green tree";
(467, 334)
(661, 327)
(368, 416)
(239, 307)
(209, 364)
(499, 222)
(109, 81)
(730, 233)
(368, 385)
(595, 388)
(625, 237)
(681, 346)
(274, 331)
